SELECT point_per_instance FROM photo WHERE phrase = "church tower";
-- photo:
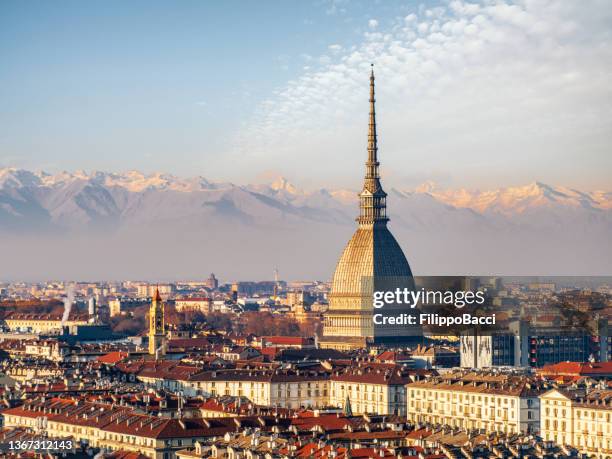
(157, 326)
(372, 260)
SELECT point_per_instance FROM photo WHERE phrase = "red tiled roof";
(378, 373)
(419, 434)
(193, 299)
(188, 342)
(369, 452)
(125, 455)
(113, 357)
(327, 422)
(74, 316)
(393, 356)
(578, 369)
(285, 340)
(270, 351)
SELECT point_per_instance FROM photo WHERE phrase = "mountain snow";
(244, 230)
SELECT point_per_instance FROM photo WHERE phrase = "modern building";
(371, 259)
(535, 346)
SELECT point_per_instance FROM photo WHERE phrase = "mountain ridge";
(80, 196)
(157, 226)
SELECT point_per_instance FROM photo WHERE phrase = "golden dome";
(372, 253)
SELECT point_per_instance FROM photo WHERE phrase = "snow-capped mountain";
(523, 198)
(536, 227)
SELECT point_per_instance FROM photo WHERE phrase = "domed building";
(372, 260)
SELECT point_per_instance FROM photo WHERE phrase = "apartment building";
(493, 402)
(200, 304)
(42, 322)
(115, 428)
(291, 388)
(578, 418)
(371, 388)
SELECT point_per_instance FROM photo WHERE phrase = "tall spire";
(372, 144)
(372, 199)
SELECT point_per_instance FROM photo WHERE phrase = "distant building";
(299, 297)
(114, 307)
(118, 306)
(212, 282)
(42, 323)
(255, 288)
(526, 345)
(148, 291)
(200, 304)
(542, 286)
(287, 342)
(435, 356)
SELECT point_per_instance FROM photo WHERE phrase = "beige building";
(371, 388)
(114, 428)
(148, 290)
(282, 388)
(495, 403)
(582, 421)
(193, 304)
(35, 373)
(48, 349)
(114, 307)
(42, 323)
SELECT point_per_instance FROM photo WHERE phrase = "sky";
(477, 95)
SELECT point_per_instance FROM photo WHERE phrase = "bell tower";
(157, 326)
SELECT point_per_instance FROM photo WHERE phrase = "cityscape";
(147, 316)
(281, 369)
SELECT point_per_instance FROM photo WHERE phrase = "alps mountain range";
(103, 225)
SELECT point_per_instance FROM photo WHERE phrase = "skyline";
(517, 91)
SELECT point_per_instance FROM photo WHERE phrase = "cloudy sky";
(475, 95)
